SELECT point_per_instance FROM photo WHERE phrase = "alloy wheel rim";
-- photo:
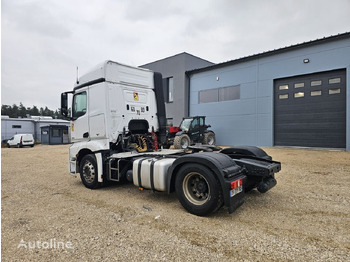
(196, 188)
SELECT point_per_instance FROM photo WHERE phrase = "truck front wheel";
(198, 190)
(88, 171)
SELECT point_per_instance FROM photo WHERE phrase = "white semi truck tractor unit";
(118, 127)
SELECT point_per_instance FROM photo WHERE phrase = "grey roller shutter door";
(310, 110)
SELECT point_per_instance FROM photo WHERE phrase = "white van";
(21, 140)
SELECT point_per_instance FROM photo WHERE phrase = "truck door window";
(79, 105)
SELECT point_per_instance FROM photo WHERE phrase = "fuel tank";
(151, 173)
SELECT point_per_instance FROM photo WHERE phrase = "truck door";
(80, 120)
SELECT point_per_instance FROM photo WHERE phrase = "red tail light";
(237, 183)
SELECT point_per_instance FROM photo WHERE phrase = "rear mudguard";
(255, 160)
(244, 151)
(259, 166)
(224, 168)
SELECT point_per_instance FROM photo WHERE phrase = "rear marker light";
(236, 187)
(237, 183)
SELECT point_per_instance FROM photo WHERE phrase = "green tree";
(14, 111)
(5, 110)
(34, 111)
(22, 110)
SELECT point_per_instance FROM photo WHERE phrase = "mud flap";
(234, 197)
(99, 166)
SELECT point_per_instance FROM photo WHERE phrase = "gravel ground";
(48, 215)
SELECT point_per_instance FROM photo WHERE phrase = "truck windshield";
(185, 124)
(79, 105)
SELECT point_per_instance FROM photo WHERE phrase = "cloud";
(43, 41)
(35, 18)
(153, 10)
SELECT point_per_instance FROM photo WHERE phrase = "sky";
(43, 41)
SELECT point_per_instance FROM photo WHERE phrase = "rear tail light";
(236, 184)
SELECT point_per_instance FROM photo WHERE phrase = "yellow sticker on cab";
(136, 96)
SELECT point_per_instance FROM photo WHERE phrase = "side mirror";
(64, 104)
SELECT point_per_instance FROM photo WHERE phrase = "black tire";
(181, 141)
(88, 172)
(209, 138)
(8, 145)
(198, 189)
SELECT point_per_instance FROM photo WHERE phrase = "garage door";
(310, 110)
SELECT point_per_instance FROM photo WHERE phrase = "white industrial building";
(37, 126)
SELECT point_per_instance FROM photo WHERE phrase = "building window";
(283, 87)
(209, 96)
(334, 91)
(316, 83)
(298, 85)
(229, 93)
(299, 94)
(334, 80)
(16, 126)
(55, 133)
(170, 89)
(284, 96)
(170, 122)
(316, 93)
(219, 94)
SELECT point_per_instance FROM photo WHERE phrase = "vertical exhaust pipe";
(161, 114)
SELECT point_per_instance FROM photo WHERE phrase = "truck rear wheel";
(181, 141)
(198, 190)
(209, 138)
(88, 171)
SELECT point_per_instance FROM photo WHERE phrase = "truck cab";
(111, 104)
(111, 99)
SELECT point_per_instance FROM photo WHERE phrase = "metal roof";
(272, 52)
(62, 121)
(180, 54)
